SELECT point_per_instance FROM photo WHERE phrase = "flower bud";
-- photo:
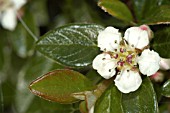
(165, 64)
(157, 77)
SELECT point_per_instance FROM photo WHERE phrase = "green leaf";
(166, 89)
(71, 45)
(143, 100)
(151, 12)
(109, 102)
(59, 85)
(117, 9)
(159, 15)
(161, 42)
(39, 105)
(94, 76)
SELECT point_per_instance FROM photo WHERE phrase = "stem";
(27, 28)
(133, 23)
(101, 87)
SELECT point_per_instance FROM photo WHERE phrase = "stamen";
(116, 56)
(125, 42)
(121, 50)
(103, 58)
(129, 56)
(115, 41)
(120, 63)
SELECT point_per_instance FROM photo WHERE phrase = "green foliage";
(60, 85)
(71, 45)
(166, 89)
(136, 102)
(31, 69)
(159, 15)
(116, 8)
(21, 40)
(151, 12)
(161, 42)
(112, 101)
(75, 46)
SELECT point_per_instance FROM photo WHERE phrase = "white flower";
(105, 65)
(109, 39)
(128, 81)
(149, 62)
(123, 56)
(137, 37)
(8, 13)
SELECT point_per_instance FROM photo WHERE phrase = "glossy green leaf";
(71, 45)
(143, 100)
(166, 89)
(59, 85)
(117, 9)
(161, 42)
(109, 102)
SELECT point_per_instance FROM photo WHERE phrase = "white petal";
(137, 37)
(149, 62)
(128, 81)
(9, 19)
(109, 39)
(19, 3)
(104, 65)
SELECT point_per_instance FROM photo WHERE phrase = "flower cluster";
(126, 57)
(8, 13)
